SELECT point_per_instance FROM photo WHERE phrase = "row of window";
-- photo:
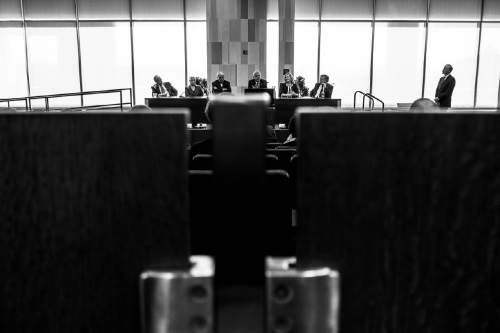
(103, 10)
(454, 10)
(461, 10)
(401, 63)
(106, 61)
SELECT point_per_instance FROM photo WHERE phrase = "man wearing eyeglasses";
(220, 85)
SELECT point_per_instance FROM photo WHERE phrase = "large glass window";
(307, 9)
(196, 36)
(398, 62)
(401, 10)
(455, 44)
(196, 9)
(103, 10)
(272, 50)
(157, 9)
(49, 9)
(346, 57)
(106, 59)
(10, 10)
(347, 9)
(455, 10)
(12, 61)
(152, 57)
(491, 10)
(53, 61)
(489, 66)
(306, 51)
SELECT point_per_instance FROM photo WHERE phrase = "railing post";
(121, 100)
(46, 104)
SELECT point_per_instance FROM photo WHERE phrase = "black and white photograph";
(250, 166)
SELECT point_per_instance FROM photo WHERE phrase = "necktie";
(320, 91)
(441, 82)
(162, 89)
(289, 89)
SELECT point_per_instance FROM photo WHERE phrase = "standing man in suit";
(322, 89)
(445, 87)
(257, 82)
(220, 85)
(162, 89)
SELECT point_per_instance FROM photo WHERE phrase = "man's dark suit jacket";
(218, 87)
(444, 91)
(284, 89)
(171, 90)
(198, 91)
(328, 90)
(252, 83)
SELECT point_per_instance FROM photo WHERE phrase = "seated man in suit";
(288, 88)
(193, 90)
(445, 87)
(202, 82)
(220, 85)
(301, 84)
(322, 89)
(163, 89)
(257, 82)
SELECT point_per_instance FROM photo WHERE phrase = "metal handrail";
(8, 100)
(355, 94)
(379, 100)
(29, 99)
(370, 101)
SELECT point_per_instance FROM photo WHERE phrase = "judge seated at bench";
(193, 90)
(322, 89)
(162, 89)
(257, 82)
(288, 89)
(301, 84)
(202, 82)
(220, 85)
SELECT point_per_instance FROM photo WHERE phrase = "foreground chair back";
(406, 208)
(89, 201)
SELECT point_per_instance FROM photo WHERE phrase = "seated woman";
(288, 88)
(193, 90)
(301, 84)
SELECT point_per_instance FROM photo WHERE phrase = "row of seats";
(404, 207)
(275, 159)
